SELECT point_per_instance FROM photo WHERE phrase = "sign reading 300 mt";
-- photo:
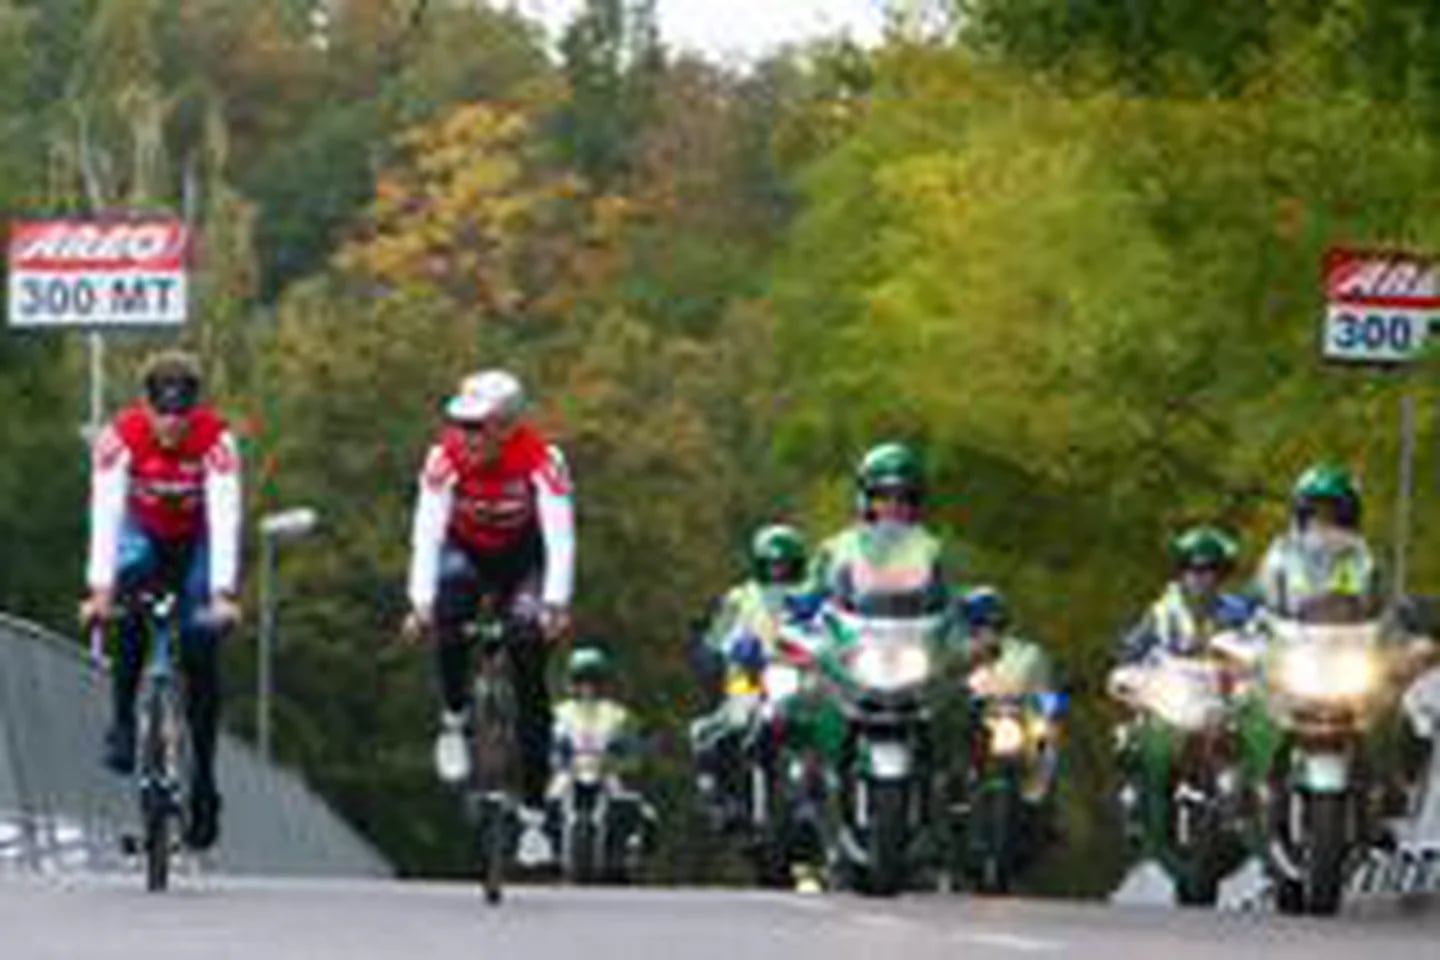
(68, 273)
(1381, 305)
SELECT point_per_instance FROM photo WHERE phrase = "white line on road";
(1007, 941)
(810, 902)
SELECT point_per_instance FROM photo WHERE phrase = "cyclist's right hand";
(96, 608)
(416, 627)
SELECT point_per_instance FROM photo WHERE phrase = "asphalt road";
(110, 918)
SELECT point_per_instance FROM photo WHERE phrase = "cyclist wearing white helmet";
(494, 518)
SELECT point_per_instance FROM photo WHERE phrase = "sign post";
(96, 275)
(1383, 308)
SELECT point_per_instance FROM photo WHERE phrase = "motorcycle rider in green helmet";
(778, 557)
(887, 552)
(1322, 554)
(735, 645)
(591, 715)
(885, 567)
(1194, 606)
(1192, 610)
(1320, 569)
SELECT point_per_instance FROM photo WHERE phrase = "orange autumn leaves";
(472, 211)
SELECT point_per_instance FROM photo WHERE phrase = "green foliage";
(612, 62)
(1070, 253)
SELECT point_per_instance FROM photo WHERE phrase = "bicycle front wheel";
(493, 725)
(491, 847)
(156, 779)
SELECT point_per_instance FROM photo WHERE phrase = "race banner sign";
(87, 273)
(1381, 306)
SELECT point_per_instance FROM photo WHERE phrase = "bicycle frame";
(492, 742)
(161, 741)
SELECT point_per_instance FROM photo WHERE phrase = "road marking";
(809, 902)
(1007, 941)
(800, 901)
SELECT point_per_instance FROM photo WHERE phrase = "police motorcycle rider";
(1174, 673)
(740, 638)
(1011, 661)
(1322, 554)
(1194, 606)
(591, 718)
(884, 571)
(1011, 689)
(1320, 569)
(887, 551)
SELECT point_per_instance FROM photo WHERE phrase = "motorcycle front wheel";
(887, 837)
(1325, 880)
(998, 834)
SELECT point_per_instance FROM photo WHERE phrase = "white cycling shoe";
(452, 753)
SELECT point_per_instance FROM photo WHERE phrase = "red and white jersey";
(492, 505)
(178, 493)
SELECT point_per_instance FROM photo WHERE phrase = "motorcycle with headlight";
(1013, 759)
(783, 774)
(599, 822)
(1182, 738)
(878, 667)
(1325, 684)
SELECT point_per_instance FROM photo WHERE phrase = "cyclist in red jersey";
(494, 516)
(165, 510)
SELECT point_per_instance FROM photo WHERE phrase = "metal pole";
(1405, 493)
(97, 386)
(267, 643)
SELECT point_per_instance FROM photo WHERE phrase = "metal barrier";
(60, 811)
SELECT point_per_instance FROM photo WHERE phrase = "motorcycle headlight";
(781, 681)
(1038, 730)
(1007, 736)
(589, 767)
(892, 668)
(742, 684)
(1318, 674)
(1182, 701)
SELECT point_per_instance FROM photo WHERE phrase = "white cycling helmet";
(484, 395)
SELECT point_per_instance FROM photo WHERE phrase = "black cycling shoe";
(120, 749)
(202, 827)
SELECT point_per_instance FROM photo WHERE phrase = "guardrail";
(60, 811)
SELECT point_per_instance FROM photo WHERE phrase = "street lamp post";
(275, 528)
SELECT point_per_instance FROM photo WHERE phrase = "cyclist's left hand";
(554, 622)
(224, 611)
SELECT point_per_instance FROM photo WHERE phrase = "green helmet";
(778, 554)
(891, 467)
(1327, 482)
(588, 663)
(1204, 547)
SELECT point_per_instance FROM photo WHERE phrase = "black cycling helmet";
(172, 381)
